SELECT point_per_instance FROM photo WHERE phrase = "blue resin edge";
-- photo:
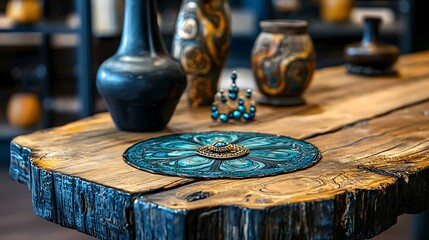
(290, 221)
(19, 169)
(73, 202)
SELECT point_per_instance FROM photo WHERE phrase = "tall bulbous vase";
(201, 44)
(141, 83)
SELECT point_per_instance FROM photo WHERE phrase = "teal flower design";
(176, 155)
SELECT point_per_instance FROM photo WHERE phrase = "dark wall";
(419, 20)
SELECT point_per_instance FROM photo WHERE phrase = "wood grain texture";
(370, 173)
(373, 135)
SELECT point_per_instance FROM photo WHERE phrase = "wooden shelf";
(47, 28)
(70, 105)
(44, 27)
(320, 29)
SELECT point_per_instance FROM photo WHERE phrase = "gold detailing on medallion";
(222, 150)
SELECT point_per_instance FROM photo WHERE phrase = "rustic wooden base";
(373, 135)
(369, 71)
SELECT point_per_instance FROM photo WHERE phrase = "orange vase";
(24, 110)
(336, 10)
(24, 11)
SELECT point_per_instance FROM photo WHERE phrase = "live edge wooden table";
(373, 134)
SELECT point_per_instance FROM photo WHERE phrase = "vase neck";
(371, 30)
(141, 34)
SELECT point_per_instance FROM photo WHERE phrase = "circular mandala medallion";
(222, 155)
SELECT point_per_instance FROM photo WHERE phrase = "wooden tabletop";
(373, 134)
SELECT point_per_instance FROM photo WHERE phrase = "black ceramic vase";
(141, 83)
(370, 56)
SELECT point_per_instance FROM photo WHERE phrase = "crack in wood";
(197, 196)
(384, 172)
(365, 138)
(352, 124)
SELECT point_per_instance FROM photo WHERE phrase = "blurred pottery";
(106, 17)
(141, 83)
(24, 110)
(24, 11)
(283, 61)
(287, 6)
(336, 10)
(201, 43)
(370, 56)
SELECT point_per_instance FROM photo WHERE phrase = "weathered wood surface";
(370, 173)
(373, 134)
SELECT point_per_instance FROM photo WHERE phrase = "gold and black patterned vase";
(201, 44)
(283, 62)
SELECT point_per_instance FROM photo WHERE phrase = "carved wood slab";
(373, 134)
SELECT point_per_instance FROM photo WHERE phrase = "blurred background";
(50, 51)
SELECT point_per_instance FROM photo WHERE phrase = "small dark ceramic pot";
(283, 61)
(141, 83)
(370, 56)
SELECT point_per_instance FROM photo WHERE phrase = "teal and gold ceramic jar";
(283, 61)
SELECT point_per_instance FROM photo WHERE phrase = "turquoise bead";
(248, 94)
(223, 118)
(231, 115)
(232, 95)
(241, 108)
(215, 115)
(234, 76)
(237, 115)
(220, 144)
(246, 116)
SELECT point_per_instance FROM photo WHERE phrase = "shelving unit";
(43, 27)
(84, 76)
(84, 49)
(329, 38)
